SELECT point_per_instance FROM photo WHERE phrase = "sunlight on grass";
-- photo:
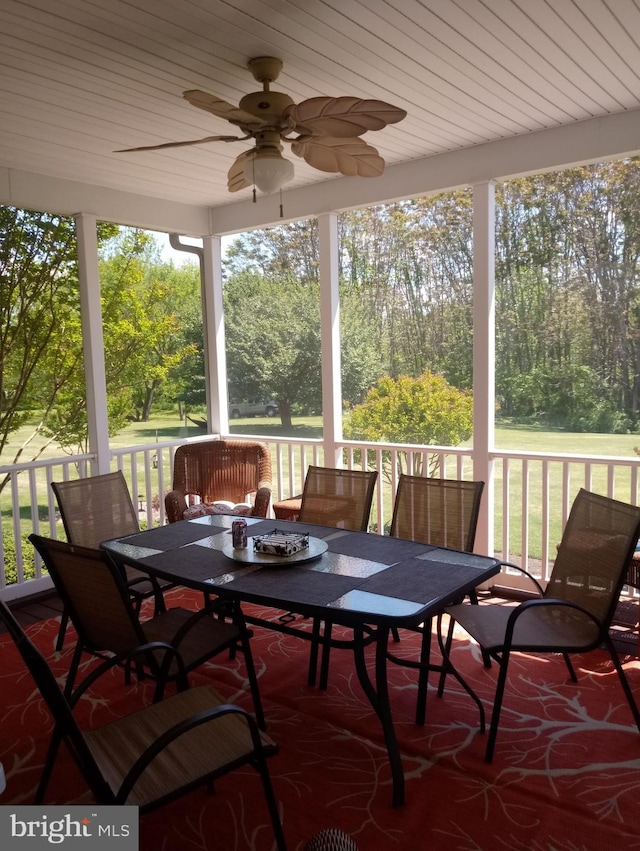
(525, 439)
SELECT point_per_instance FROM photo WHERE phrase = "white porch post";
(215, 357)
(330, 336)
(93, 341)
(484, 355)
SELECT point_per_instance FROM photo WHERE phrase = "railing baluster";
(546, 480)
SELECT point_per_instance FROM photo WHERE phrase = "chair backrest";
(339, 498)
(96, 509)
(66, 724)
(597, 545)
(222, 469)
(441, 512)
(94, 593)
(331, 839)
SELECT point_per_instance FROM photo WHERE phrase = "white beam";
(67, 197)
(484, 355)
(93, 341)
(592, 140)
(214, 337)
(330, 337)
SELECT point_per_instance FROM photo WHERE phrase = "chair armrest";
(119, 658)
(547, 602)
(262, 501)
(539, 587)
(179, 729)
(175, 503)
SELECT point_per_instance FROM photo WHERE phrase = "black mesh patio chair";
(340, 498)
(336, 497)
(98, 509)
(574, 612)
(331, 839)
(157, 753)
(443, 513)
(166, 647)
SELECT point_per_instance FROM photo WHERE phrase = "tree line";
(567, 309)
(567, 290)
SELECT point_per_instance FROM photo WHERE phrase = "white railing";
(532, 493)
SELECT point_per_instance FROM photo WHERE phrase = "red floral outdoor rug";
(565, 777)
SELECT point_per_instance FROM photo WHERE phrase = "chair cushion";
(241, 509)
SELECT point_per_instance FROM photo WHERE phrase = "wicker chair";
(220, 470)
(341, 498)
(574, 612)
(444, 513)
(166, 647)
(97, 509)
(157, 753)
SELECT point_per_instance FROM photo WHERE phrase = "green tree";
(567, 296)
(40, 340)
(145, 307)
(423, 410)
(273, 341)
(272, 330)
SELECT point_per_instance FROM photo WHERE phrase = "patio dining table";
(361, 580)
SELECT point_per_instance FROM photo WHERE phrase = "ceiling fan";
(326, 132)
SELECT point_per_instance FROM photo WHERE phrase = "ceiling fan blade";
(182, 144)
(235, 176)
(351, 157)
(219, 107)
(342, 116)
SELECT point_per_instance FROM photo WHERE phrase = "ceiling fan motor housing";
(266, 105)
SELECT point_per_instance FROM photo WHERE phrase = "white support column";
(215, 356)
(484, 355)
(93, 341)
(330, 336)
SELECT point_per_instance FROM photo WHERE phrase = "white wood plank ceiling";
(80, 78)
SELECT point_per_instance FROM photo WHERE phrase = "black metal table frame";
(367, 626)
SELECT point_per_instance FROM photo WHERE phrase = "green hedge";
(10, 565)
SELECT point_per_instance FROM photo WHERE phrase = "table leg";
(378, 697)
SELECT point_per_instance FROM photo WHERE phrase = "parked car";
(252, 409)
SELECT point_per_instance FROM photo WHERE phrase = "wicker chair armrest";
(262, 501)
(179, 729)
(175, 503)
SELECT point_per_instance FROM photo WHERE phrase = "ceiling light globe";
(269, 171)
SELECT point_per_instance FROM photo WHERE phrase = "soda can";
(239, 534)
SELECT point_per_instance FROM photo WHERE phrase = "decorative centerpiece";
(281, 543)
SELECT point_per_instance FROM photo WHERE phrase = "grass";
(531, 439)
(508, 436)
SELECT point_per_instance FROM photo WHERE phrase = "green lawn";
(169, 426)
(526, 438)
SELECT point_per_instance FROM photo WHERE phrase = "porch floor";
(624, 630)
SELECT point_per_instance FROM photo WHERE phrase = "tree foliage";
(567, 290)
(423, 410)
(567, 311)
(146, 306)
(40, 337)
(272, 325)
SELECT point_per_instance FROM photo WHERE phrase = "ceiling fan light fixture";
(269, 171)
